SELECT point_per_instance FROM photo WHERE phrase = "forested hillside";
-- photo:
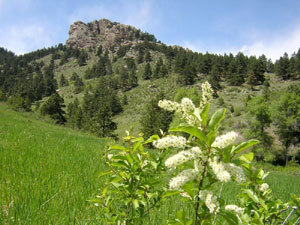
(109, 76)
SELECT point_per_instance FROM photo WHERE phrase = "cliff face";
(109, 34)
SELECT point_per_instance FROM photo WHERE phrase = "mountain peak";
(109, 34)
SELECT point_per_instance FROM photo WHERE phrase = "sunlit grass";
(48, 174)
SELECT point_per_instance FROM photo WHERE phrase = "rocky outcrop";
(102, 32)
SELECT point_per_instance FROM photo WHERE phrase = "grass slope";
(47, 172)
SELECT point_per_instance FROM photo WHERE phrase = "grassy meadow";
(48, 174)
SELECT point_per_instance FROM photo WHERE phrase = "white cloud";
(23, 39)
(276, 46)
(200, 46)
(272, 46)
(142, 15)
(139, 14)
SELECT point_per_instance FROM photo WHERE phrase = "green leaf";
(247, 157)
(151, 139)
(211, 137)
(104, 173)
(226, 156)
(135, 203)
(116, 184)
(119, 164)
(251, 195)
(117, 147)
(129, 159)
(190, 130)
(230, 218)
(154, 164)
(216, 119)
(244, 145)
(204, 114)
(169, 193)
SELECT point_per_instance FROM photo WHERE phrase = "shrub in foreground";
(200, 159)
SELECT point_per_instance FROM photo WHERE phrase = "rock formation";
(103, 32)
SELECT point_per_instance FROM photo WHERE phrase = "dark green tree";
(99, 51)
(282, 67)
(259, 109)
(81, 60)
(63, 82)
(214, 78)
(158, 65)
(148, 56)
(288, 119)
(54, 108)
(147, 72)
(75, 114)
(140, 57)
(102, 123)
(154, 118)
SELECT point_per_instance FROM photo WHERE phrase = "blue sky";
(254, 27)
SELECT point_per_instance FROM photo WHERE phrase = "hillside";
(47, 172)
(107, 73)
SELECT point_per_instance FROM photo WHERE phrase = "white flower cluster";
(170, 141)
(234, 208)
(185, 176)
(225, 140)
(187, 105)
(179, 158)
(169, 105)
(219, 171)
(183, 157)
(236, 172)
(210, 201)
(196, 151)
(109, 156)
(264, 187)
(207, 92)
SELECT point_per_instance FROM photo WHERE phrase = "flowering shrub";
(130, 191)
(200, 162)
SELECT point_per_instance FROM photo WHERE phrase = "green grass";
(48, 174)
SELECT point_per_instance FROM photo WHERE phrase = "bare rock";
(108, 34)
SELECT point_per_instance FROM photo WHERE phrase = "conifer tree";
(287, 119)
(54, 108)
(155, 118)
(147, 72)
(63, 82)
(214, 78)
(148, 56)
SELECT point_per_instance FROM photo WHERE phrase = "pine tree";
(147, 72)
(75, 114)
(287, 119)
(158, 65)
(282, 67)
(140, 58)
(148, 56)
(214, 78)
(54, 108)
(155, 118)
(258, 107)
(103, 125)
(99, 51)
(82, 58)
(251, 80)
(63, 82)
